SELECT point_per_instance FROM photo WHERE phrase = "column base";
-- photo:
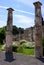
(38, 51)
(9, 49)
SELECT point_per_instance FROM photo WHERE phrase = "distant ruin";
(29, 34)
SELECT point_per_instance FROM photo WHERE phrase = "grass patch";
(24, 47)
(26, 51)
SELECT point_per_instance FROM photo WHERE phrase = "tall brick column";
(9, 30)
(38, 30)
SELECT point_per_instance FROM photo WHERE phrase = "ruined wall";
(29, 34)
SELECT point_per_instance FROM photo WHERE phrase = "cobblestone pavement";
(19, 59)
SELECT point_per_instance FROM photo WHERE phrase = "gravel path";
(19, 59)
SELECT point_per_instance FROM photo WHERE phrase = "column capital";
(37, 4)
(10, 9)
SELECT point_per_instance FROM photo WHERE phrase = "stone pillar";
(38, 30)
(9, 31)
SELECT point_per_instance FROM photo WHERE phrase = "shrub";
(29, 45)
(2, 47)
(20, 49)
(22, 41)
(14, 47)
(2, 35)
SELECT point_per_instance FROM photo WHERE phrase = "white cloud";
(24, 11)
(4, 7)
(18, 10)
(24, 20)
(2, 23)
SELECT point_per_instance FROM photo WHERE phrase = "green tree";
(17, 30)
(43, 42)
(21, 30)
(2, 35)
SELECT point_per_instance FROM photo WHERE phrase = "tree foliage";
(17, 30)
(43, 42)
(2, 35)
(42, 21)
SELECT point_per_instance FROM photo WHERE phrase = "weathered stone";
(38, 30)
(9, 31)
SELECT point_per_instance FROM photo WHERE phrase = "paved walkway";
(19, 59)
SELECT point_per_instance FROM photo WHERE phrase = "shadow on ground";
(41, 59)
(9, 57)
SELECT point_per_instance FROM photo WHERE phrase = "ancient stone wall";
(29, 34)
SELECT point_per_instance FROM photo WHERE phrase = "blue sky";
(23, 16)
